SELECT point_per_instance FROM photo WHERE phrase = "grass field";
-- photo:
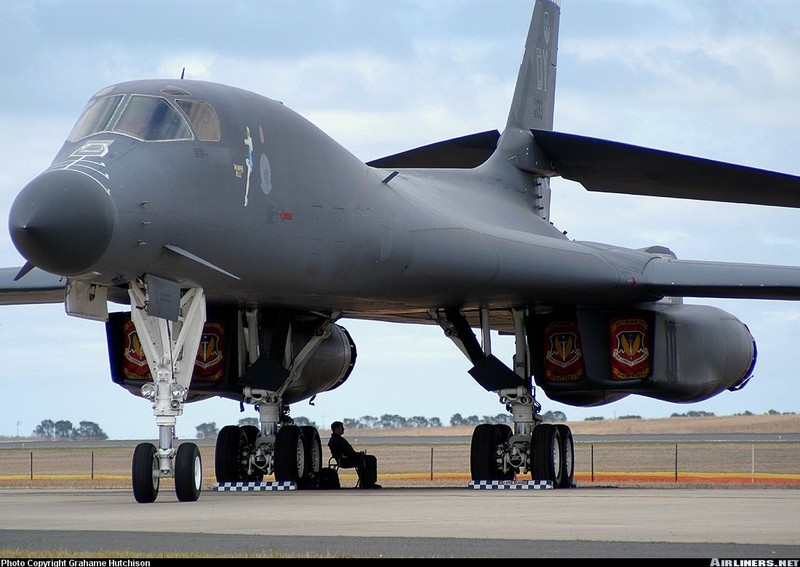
(424, 463)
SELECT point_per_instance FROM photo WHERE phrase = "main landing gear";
(278, 447)
(292, 453)
(547, 452)
(500, 452)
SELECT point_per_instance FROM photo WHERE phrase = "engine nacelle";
(222, 365)
(328, 367)
(668, 351)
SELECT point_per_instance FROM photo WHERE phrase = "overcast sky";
(716, 79)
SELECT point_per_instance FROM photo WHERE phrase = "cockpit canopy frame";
(148, 118)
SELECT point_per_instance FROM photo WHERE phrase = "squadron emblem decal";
(563, 359)
(630, 352)
(134, 365)
(209, 366)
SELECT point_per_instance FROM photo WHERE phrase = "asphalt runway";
(593, 522)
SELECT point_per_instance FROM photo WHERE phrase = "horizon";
(323, 427)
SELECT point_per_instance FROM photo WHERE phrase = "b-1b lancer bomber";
(234, 237)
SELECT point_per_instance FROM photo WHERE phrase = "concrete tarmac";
(592, 522)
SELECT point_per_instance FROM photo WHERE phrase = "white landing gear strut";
(171, 349)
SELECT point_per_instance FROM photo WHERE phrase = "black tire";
(145, 473)
(504, 430)
(290, 454)
(251, 432)
(313, 457)
(547, 461)
(567, 456)
(231, 455)
(188, 472)
(483, 452)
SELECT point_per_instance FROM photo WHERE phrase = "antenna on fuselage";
(182, 72)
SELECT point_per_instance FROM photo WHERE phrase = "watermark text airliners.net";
(755, 563)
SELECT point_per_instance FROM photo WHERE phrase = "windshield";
(95, 117)
(152, 118)
(148, 118)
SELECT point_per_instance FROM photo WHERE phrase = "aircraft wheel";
(547, 462)
(145, 473)
(567, 455)
(188, 472)
(313, 457)
(290, 454)
(483, 452)
(505, 432)
(231, 454)
(252, 432)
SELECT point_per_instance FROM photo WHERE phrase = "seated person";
(366, 465)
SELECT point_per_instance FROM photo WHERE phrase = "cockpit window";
(95, 117)
(148, 118)
(203, 118)
(152, 118)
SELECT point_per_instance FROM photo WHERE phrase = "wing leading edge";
(613, 167)
(464, 152)
(689, 278)
(36, 286)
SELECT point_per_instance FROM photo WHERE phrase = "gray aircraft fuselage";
(297, 220)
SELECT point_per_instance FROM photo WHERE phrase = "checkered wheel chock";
(253, 486)
(511, 484)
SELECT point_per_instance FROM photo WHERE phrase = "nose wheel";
(146, 473)
(188, 472)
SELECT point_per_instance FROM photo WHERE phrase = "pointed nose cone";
(62, 222)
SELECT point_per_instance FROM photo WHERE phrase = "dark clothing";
(343, 452)
(366, 465)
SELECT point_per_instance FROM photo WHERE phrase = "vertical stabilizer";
(518, 159)
(534, 95)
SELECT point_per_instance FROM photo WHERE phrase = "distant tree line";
(389, 421)
(210, 430)
(693, 413)
(49, 429)
(63, 429)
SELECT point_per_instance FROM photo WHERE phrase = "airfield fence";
(443, 464)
